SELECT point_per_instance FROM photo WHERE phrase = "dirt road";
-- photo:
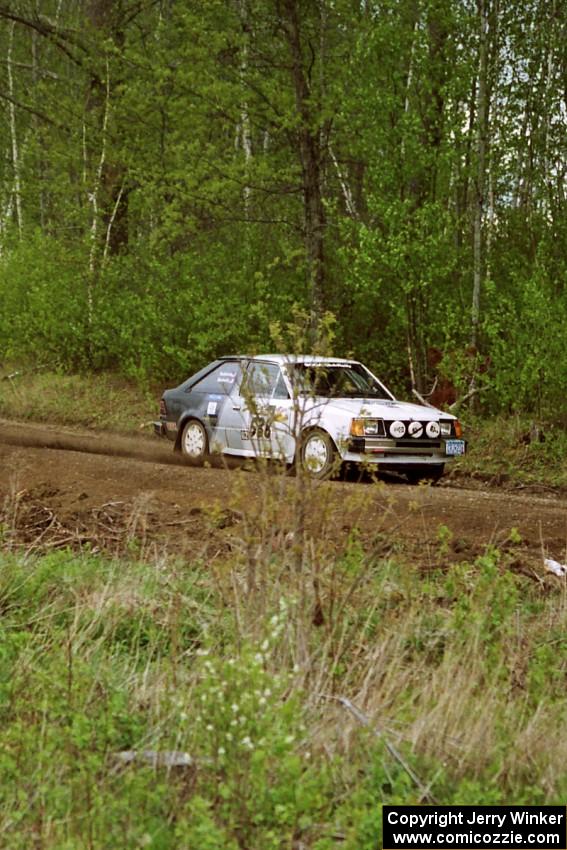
(60, 486)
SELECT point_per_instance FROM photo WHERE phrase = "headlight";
(454, 427)
(366, 428)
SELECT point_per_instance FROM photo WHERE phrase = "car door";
(212, 398)
(261, 415)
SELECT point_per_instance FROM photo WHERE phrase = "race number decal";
(260, 428)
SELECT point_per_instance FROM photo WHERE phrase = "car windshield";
(348, 380)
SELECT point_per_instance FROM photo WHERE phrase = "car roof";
(284, 359)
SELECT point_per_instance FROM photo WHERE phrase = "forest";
(181, 180)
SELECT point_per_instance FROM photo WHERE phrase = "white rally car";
(317, 411)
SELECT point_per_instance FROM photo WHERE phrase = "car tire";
(194, 442)
(426, 473)
(318, 454)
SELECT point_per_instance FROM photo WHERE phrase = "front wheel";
(318, 454)
(194, 442)
(425, 473)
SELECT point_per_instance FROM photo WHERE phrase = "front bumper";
(398, 452)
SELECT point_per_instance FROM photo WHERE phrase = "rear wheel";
(194, 442)
(425, 473)
(318, 454)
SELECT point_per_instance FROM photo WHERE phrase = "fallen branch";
(470, 394)
(456, 404)
(156, 758)
(20, 372)
(422, 400)
(394, 752)
(433, 388)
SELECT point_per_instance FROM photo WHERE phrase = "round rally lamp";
(433, 429)
(397, 429)
(415, 429)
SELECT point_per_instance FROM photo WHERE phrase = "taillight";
(162, 408)
(458, 428)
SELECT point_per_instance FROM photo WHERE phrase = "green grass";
(462, 672)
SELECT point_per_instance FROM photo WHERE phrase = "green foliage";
(150, 319)
(178, 179)
(527, 373)
(43, 303)
(78, 630)
(249, 731)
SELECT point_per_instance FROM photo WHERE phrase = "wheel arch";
(334, 460)
(314, 427)
(182, 422)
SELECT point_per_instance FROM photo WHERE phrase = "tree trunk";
(111, 183)
(480, 180)
(245, 130)
(310, 153)
(17, 190)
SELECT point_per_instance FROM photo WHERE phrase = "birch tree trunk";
(94, 202)
(17, 190)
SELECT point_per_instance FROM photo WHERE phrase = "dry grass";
(516, 451)
(102, 401)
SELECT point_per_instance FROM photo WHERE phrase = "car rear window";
(221, 380)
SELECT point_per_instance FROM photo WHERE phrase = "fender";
(185, 417)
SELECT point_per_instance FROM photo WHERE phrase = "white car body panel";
(289, 418)
(262, 406)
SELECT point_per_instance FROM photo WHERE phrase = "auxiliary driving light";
(397, 429)
(432, 429)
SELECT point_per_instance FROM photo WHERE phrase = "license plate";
(455, 447)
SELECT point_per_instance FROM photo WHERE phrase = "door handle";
(236, 407)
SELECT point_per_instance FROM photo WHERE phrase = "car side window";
(264, 380)
(281, 390)
(221, 380)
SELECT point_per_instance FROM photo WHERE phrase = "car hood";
(384, 409)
